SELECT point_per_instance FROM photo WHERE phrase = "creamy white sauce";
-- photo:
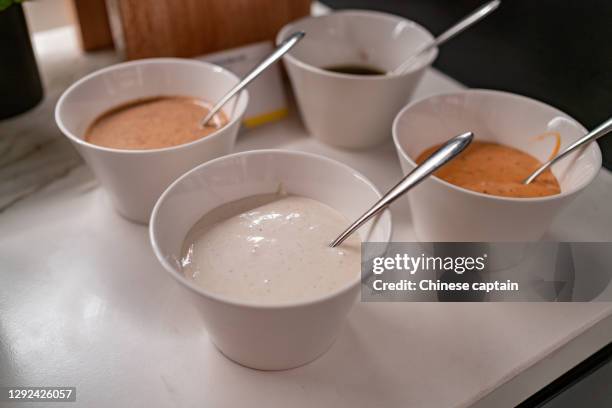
(270, 248)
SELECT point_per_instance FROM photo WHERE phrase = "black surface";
(556, 51)
(20, 87)
(589, 384)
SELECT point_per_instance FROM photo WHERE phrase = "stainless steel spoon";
(285, 46)
(438, 159)
(462, 25)
(596, 133)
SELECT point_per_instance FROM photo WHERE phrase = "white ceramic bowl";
(268, 337)
(444, 212)
(134, 179)
(353, 111)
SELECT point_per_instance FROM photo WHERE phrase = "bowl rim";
(212, 68)
(426, 62)
(191, 285)
(490, 92)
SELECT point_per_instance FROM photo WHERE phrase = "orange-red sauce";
(153, 123)
(495, 169)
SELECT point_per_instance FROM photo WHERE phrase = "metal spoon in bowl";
(285, 46)
(462, 25)
(596, 133)
(438, 159)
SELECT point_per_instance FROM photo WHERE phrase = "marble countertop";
(84, 303)
(33, 152)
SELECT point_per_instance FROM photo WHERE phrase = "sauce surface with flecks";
(153, 123)
(271, 248)
(495, 169)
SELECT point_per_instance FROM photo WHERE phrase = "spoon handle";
(438, 159)
(596, 133)
(477, 15)
(465, 23)
(285, 46)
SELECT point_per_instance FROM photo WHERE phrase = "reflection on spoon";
(285, 46)
(598, 132)
(439, 158)
(459, 27)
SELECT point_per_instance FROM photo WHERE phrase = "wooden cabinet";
(185, 28)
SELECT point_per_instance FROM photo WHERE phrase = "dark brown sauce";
(355, 69)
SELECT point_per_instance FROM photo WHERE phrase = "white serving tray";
(84, 303)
